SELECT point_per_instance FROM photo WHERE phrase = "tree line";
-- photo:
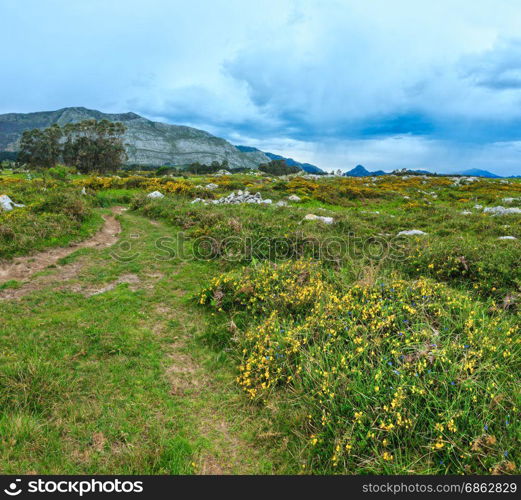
(278, 168)
(90, 146)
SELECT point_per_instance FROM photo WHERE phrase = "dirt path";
(22, 268)
(208, 407)
(205, 401)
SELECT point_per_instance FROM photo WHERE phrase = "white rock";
(155, 194)
(294, 197)
(83, 191)
(466, 212)
(7, 204)
(507, 238)
(235, 199)
(325, 220)
(412, 232)
(282, 203)
(478, 207)
(501, 210)
(211, 186)
(510, 200)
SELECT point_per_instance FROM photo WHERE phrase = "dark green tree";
(279, 167)
(41, 148)
(90, 145)
(94, 146)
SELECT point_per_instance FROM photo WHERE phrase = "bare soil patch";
(22, 268)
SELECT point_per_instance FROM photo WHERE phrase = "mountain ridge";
(306, 167)
(147, 142)
(361, 171)
(477, 172)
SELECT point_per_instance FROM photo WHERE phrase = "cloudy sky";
(388, 84)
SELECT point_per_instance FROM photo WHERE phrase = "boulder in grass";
(236, 199)
(7, 204)
(507, 238)
(155, 194)
(501, 210)
(294, 197)
(412, 232)
(211, 186)
(321, 218)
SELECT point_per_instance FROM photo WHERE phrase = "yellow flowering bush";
(165, 185)
(393, 377)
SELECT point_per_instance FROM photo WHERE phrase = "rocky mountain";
(147, 142)
(476, 172)
(361, 171)
(307, 167)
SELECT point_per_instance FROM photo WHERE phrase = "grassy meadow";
(245, 338)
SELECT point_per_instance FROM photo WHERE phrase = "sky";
(386, 84)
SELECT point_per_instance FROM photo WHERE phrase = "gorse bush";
(391, 377)
(68, 204)
(491, 268)
(51, 216)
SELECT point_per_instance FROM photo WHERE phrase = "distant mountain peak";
(306, 167)
(477, 172)
(361, 171)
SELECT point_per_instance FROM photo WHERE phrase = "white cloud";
(307, 77)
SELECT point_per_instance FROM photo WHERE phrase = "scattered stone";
(501, 210)
(7, 204)
(325, 220)
(83, 191)
(507, 238)
(478, 207)
(211, 186)
(282, 203)
(294, 197)
(235, 199)
(466, 212)
(155, 194)
(222, 172)
(412, 232)
(510, 200)
(458, 181)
